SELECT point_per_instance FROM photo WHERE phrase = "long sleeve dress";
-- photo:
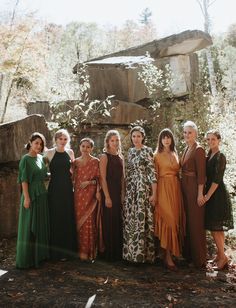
(219, 216)
(138, 211)
(86, 208)
(193, 164)
(33, 227)
(169, 210)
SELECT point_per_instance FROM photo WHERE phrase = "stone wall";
(14, 135)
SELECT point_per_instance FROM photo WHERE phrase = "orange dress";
(86, 208)
(169, 210)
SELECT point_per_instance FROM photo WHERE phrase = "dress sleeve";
(219, 169)
(23, 175)
(150, 169)
(200, 160)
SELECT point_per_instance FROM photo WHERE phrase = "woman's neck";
(32, 153)
(60, 149)
(191, 143)
(214, 150)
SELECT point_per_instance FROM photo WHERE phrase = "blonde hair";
(108, 136)
(61, 132)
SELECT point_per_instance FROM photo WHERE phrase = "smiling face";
(190, 134)
(212, 141)
(137, 139)
(113, 143)
(85, 148)
(61, 141)
(36, 146)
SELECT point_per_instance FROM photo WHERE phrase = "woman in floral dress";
(86, 193)
(138, 245)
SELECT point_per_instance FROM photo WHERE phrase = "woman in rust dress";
(169, 210)
(193, 163)
(112, 182)
(86, 196)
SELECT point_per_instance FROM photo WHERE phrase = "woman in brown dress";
(193, 163)
(169, 211)
(112, 182)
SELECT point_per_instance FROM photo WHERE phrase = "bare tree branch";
(14, 13)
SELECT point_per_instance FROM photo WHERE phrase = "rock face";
(178, 44)
(14, 135)
(119, 76)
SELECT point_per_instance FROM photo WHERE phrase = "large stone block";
(9, 201)
(119, 76)
(14, 135)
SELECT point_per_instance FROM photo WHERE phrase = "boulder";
(119, 76)
(14, 135)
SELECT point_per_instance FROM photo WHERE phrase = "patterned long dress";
(219, 216)
(138, 245)
(86, 207)
(33, 228)
(169, 211)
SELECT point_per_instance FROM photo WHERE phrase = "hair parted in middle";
(87, 139)
(33, 137)
(61, 132)
(166, 132)
(109, 134)
(138, 128)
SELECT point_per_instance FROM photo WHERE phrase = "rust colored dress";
(169, 211)
(193, 164)
(86, 208)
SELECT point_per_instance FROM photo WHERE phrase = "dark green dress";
(61, 208)
(218, 214)
(33, 226)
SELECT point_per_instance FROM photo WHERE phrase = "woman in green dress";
(33, 226)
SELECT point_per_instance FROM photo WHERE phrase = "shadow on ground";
(72, 283)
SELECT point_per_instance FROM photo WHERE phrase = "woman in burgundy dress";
(112, 182)
(193, 163)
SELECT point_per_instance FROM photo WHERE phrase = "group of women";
(100, 206)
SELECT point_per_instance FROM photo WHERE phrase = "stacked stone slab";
(117, 73)
(14, 135)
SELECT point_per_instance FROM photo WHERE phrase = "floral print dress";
(138, 234)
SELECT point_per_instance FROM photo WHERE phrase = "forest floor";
(75, 283)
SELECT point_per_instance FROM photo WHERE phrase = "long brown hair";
(166, 132)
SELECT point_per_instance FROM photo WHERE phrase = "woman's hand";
(201, 200)
(152, 200)
(84, 184)
(108, 202)
(27, 203)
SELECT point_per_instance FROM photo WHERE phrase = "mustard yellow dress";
(169, 211)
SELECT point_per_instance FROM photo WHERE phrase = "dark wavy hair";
(33, 137)
(166, 132)
(87, 139)
(138, 129)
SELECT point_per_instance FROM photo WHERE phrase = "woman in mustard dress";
(169, 211)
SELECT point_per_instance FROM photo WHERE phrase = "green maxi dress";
(33, 226)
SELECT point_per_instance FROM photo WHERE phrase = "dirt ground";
(73, 283)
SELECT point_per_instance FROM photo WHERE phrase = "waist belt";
(189, 173)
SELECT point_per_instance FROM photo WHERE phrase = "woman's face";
(62, 141)
(36, 146)
(166, 141)
(113, 143)
(212, 141)
(190, 134)
(85, 148)
(137, 138)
